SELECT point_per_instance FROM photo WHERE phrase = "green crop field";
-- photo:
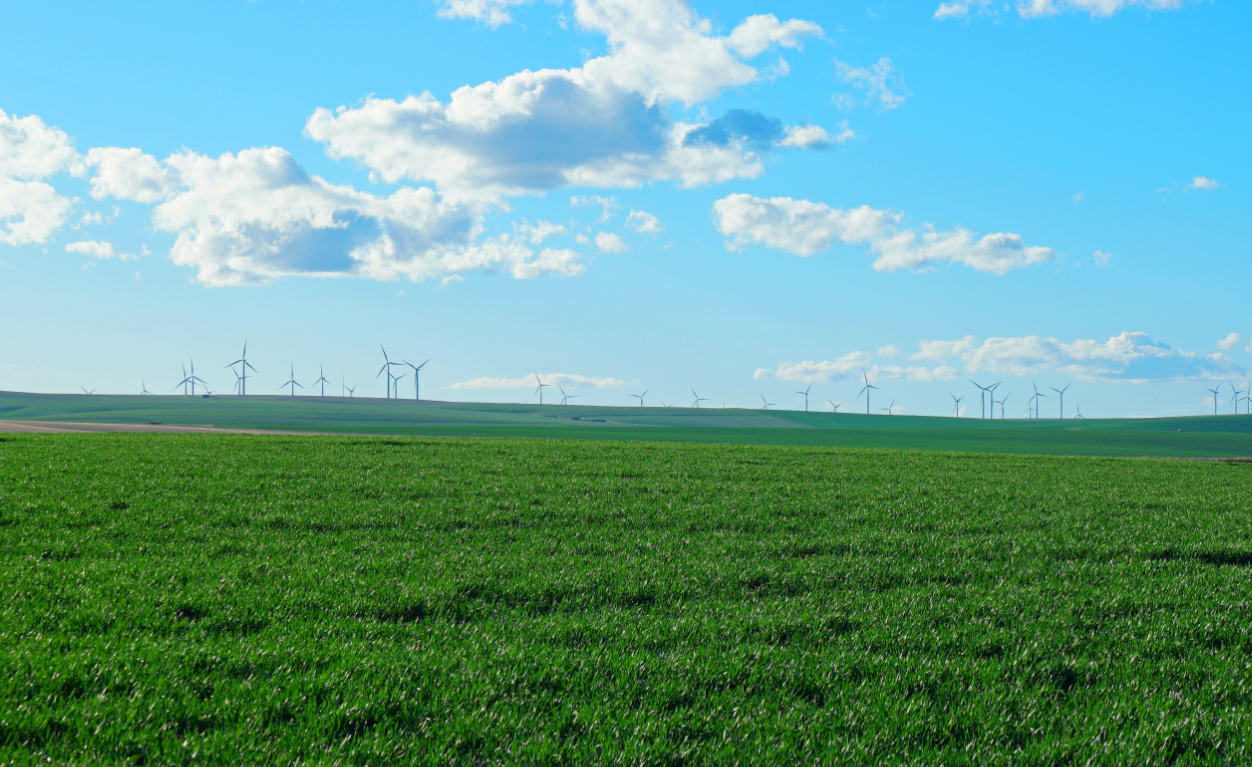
(1196, 436)
(339, 600)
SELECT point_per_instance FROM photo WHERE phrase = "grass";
(1220, 436)
(292, 600)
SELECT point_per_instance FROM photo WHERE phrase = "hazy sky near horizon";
(743, 197)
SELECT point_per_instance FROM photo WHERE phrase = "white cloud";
(1035, 8)
(1077, 198)
(1229, 342)
(98, 249)
(1202, 183)
(251, 217)
(31, 211)
(804, 228)
(537, 233)
(583, 239)
(1126, 357)
(852, 367)
(1102, 259)
(953, 10)
(814, 136)
(491, 12)
(890, 350)
(608, 205)
(643, 222)
(604, 124)
(32, 150)
(129, 174)
(882, 83)
(609, 242)
(567, 380)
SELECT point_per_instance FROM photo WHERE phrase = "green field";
(1200, 436)
(304, 600)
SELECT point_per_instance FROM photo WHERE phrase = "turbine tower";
(982, 396)
(956, 405)
(243, 361)
(1037, 397)
(322, 379)
(806, 397)
(417, 379)
(292, 383)
(866, 390)
(1006, 399)
(1062, 393)
(641, 396)
(539, 389)
(698, 399)
(1214, 393)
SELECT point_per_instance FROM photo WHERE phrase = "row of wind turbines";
(241, 366)
(1236, 396)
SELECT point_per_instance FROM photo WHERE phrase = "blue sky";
(742, 197)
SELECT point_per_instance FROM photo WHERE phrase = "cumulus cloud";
(251, 217)
(1125, 357)
(1035, 8)
(609, 242)
(882, 83)
(567, 380)
(31, 210)
(804, 228)
(535, 234)
(1204, 184)
(644, 222)
(954, 10)
(98, 249)
(1102, 259)
(608, 205)
(1229, 342)
(852, 367)
(491, 12)
(604, 124)
(890, 350)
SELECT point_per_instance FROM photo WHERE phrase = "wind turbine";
(889, 408)
(417, 379)
(1062, 393)
(238, 381)
(322, 380)
(565, 398)
(387, 363)
(396, 380)
(1037, 397)
(699, 399)
(765, 405)
(806, 397)
(1079, 416)
(93, 391)
(243, 361)
(540, 388)
(641, 396)
(1006, 399)
(1214, 393)
(982, 397)
(292, 383)
(191, 379)
(1235, 397)
(352, 390)
(956, 405)
(834, 406)
(145, 388)
(866, 390)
